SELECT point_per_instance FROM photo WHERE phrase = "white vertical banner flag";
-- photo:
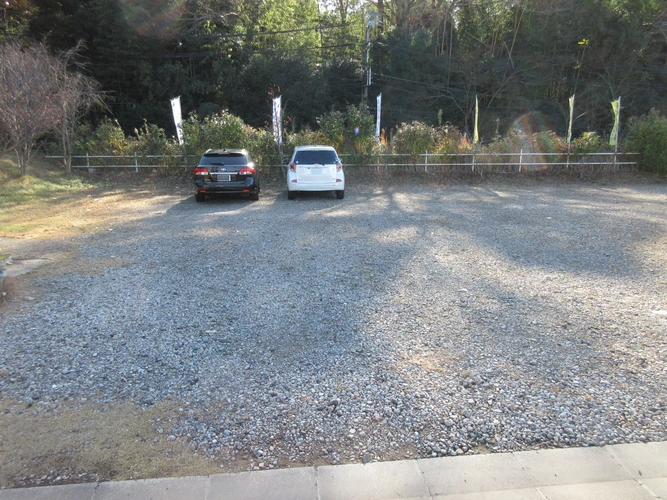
(379, 113)
(475, 136)
(277, 120)
(178, 120)
(569, 127)
(616, 108)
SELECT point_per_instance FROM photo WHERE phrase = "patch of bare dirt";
(44, 443)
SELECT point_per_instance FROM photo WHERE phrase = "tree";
(139, 65)
(265, 77)
(278, 25)
(78, 93)
(29, 98)
(38, 94)
(429, 58)
(525, 57)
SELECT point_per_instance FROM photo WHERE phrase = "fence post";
(520, 160)
(426, 162)
(136, 165)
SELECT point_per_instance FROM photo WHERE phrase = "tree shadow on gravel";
(400, 321)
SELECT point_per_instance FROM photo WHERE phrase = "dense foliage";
(429, 59)
(353, 134)
(647, 135)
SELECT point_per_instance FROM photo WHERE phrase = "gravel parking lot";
(402, 321)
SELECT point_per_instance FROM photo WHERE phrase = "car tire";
(199, 197)
(254, 196)
(340, 194)
(291, 195)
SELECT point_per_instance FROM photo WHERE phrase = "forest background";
(430, 60)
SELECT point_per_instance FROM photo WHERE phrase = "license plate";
(223, 177)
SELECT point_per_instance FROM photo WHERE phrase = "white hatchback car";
(315, 168)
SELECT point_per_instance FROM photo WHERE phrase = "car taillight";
(247, 171)
(201, 171)
(339, 165)
(292, 167)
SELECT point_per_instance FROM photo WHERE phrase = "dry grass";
(48, 204)
(46, 444)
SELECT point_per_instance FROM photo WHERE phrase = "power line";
(318, 28)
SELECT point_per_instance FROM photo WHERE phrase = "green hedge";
(352, 132)
(647, 135)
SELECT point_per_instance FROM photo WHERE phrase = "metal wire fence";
(388, 164)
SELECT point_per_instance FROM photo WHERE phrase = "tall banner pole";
(475, 134)
(178, 121)
(613, 137)
(277, 126)
(277, 122)
(475, 137)
(569, 130)
(377, 120)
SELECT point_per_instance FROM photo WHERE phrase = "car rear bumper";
(246, 186)
(316, 186)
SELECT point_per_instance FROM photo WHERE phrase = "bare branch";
(38, 94)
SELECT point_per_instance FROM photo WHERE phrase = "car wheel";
(254, 196)
(199, 197)
(291, 195)
(340, 194)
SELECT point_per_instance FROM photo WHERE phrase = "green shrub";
(548, 141)
(304, 138)
(150, 140)
(263, 147)
(413, 138)
(588, 142)
(514, 142)
(333, 128)
(647, 135)
(361, 131)
(449, 140)
(222, 130)
(107, 139)
(351, 132)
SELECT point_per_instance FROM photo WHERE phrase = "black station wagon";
(226, 171)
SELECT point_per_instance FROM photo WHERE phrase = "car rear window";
(325, 157)
(229, 159)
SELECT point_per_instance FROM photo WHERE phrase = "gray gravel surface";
(400, 321)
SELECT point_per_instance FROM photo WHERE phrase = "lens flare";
(529, 133)
(532, 123)
(155, 18)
